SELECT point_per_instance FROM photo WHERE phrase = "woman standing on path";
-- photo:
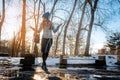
(47, 37)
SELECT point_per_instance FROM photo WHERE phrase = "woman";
(47, 37)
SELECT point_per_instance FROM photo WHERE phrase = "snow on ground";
(50, 61)
(110, 60)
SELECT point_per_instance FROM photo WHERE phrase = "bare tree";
(56, 46)
(66, 27)
(23, 28)
(53, 7)
(2, 18)
(36, 26)
(80, 28)
(93, 9)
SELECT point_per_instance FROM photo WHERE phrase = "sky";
(98, 36)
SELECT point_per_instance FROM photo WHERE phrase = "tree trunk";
(35, 51)
(51, 14)
(53, 7)
(89, 35)
(2, 19)
(93, 9)
(79, 29)
(66, 27)
(23, 29)
(56, 46)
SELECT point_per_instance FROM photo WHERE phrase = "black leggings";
(45, 48)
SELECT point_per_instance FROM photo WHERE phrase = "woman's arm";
(56, 29)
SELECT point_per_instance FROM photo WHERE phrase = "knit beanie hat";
(46, 15)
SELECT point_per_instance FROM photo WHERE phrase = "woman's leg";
(43, 45)
(46, 45)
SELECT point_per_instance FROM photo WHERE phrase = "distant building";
(101, 51)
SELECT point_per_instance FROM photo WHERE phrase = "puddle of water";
(15, 73)
(40, 75)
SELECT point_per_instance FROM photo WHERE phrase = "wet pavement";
(56, 73)
(16, 72)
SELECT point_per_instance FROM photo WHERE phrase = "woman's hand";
(59, 25)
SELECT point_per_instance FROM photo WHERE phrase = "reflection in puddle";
(15, 73)
(37, 75)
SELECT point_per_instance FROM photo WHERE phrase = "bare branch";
(59, 18)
